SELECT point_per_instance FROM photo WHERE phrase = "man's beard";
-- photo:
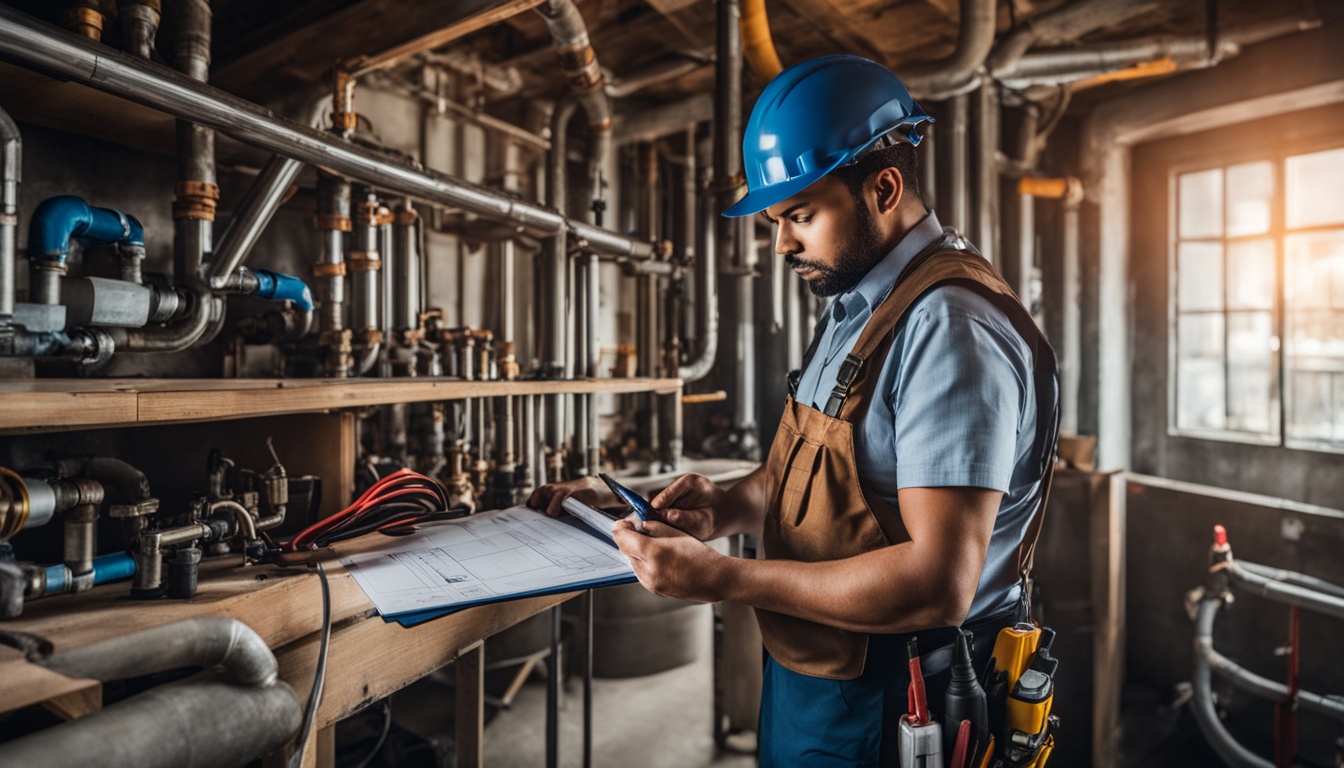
(858, 255)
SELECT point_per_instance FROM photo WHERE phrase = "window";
(1254, 265)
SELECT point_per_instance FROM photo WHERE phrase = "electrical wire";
(397, 500)
(378, 745)
(319, 674)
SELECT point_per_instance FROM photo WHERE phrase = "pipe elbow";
(277, 286)
(59, 219)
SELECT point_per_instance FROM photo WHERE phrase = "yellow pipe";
(1163, 66)
(1038, 187)
(757, 44)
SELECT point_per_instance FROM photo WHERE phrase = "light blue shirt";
(955, 404)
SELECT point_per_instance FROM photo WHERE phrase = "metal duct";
(38, 45)
(945, 77)
(11, 159)
(206, 724)
(207, 642)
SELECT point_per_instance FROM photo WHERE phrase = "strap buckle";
(849, 370)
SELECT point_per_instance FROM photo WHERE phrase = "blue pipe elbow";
(58, 219)
(276, 286)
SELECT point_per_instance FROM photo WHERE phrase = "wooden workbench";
(368, 659)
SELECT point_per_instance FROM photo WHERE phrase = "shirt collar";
(877, 284)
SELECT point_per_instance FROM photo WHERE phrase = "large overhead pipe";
(11, 173)
(261, 201)
(38, 45)
(956, 73)
(1062, 26)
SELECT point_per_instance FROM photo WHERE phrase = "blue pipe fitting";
(106, 568)
(58, 219)
(277, 286)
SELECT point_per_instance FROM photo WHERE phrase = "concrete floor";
(660, 720)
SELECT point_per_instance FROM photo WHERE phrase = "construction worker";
(904, 490)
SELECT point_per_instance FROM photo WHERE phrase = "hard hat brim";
(759, 200)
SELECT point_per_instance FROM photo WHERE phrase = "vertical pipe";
(139, 25)
(1071, 349)
(406, 275)
(987, 186)
(197, 190)
(333, 221)
(552, 286)
(364, 262)
(960, 165)
(1026, 243)
(928, 182)
(387, 241)
(11, 173)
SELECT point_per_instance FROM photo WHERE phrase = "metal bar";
(588, 679)
(553, 668)
(38, 45)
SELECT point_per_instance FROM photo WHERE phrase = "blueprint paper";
(490, 557)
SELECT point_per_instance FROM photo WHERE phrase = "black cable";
(319, 675)
(378, 746)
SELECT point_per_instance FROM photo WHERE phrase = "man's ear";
(890, 188)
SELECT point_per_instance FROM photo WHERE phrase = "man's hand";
(669, 562)
(691, 503)
(590, 490)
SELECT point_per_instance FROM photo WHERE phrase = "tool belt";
(996, 719)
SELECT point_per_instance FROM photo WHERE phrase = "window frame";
(1277, 155)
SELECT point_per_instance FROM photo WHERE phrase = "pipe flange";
(9, 220)
(367, 213)
(339, 340)
(330, 221)
(384, 216)
(370, 337)
(95, 347)
(12, 516)
(87, 22)
(345, 121)
(406, 216)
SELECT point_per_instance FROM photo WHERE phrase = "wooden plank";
(469, 717)
(370, 659)
(41, 405)
(28, 684)
(443, 36)
(76, 704)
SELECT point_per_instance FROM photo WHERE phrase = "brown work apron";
(819, 511)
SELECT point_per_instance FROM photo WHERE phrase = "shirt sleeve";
(958, 400)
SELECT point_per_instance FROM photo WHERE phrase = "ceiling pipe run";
(11, 159)
(38, 45)
(956, 73)
(1062, 26)
(758, 46)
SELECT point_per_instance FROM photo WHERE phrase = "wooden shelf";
(40, 404)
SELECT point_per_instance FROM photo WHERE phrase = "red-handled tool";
(921, 739)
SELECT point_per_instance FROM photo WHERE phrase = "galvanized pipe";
(260, 202)
(405, 271)
(987, 167)
(1285, 592)
(1061, 26)
(705, 219)
(1071, 350)
(197, 187)
(959, 162)
(36, 44)
(139, 25)
(11, 173)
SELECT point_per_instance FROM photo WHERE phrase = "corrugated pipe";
(757, 44)
(34, 44)
(262, 200)
(11, 173)
(957, 73)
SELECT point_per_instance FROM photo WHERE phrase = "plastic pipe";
(58, 219)
(1285, 592)
(277, 286)
(59, 579)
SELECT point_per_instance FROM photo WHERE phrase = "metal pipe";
(1222, 742)
(81, 538)
(1060, 26)
(207, 642)
(11, 173)
(405, 272)
(727, 125)
(261, 201)
(247, 525)
(1026, 206)
(333, 221)
(1292, 577)
(702, 217)
(975, 38)
(197, 189)
(172, 338)
(1285, 592)
(658, 72)
(32, 43)
(139, 24)
(1070, 363)
(987, 186)
(960, 166)
(364, 261)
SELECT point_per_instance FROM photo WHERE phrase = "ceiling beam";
(837, 25)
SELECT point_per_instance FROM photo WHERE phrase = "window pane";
(1252, 280)
(1201, 204)
(1250, 188)
(1252, 368)
(1315, 264)
(1199, 276)
(1315, 363)
(1200, 401)
(1315, 188)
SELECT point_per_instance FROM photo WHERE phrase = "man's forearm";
(743, 510)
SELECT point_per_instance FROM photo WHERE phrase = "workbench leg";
(469, 739)
(553, 672)
(320, 751)
(588, 679)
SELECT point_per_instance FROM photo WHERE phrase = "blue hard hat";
(816, 116)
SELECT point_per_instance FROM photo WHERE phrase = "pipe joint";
(195, 200)
(59, 219)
